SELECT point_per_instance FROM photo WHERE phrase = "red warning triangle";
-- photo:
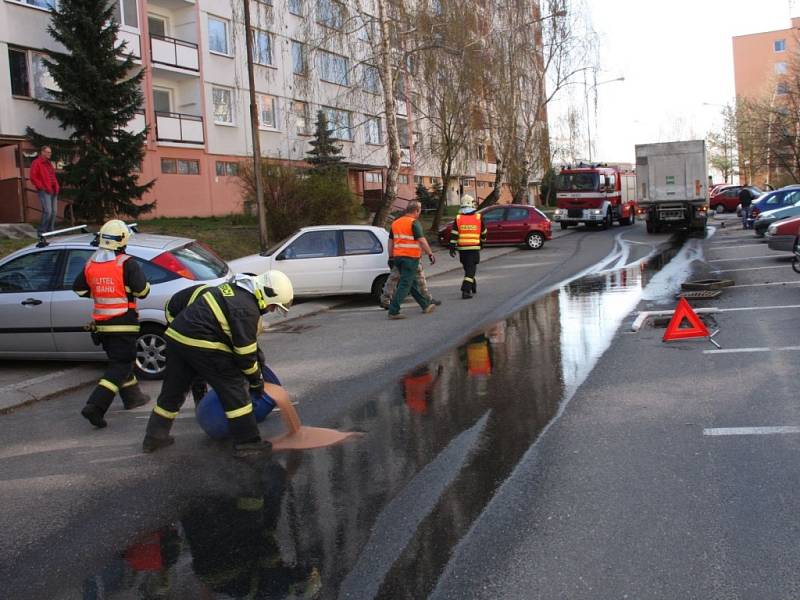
(696, 327)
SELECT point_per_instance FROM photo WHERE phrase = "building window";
(780, 68)
(296, 7)
(301, 118)
(371, 79)
(30, 77)
(402, 132)
(266, 112)
(372, 127)
(782, 88)
(333, 68)
(125, 13)
(417, 179)
(779, 45)
(179, 166)
(299, 63)
(262, 47)
(227, 169)
(372, 177)
(223, 105)
(402, 179)
(366, 27)
(339, 122)
(218, 35)
(331, 13)
(45, 4)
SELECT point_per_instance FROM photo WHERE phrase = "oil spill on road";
(381, 517)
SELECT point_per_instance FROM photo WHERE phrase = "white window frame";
(164, 20)
(331, 65)
(291, 4)
(230, 94)
(401, 177)
(47, 6)
(303, 58)
(258, 35)
(335, 123)
(46, 83)
(366, 27)
(780, 68)
(305, 116)
(331, 14)
(260, 98)
(373, 125)
(170, 95)
(366, 70)
(779, 45)
(226, 24)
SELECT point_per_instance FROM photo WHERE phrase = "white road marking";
(716, 260)
(740, 308)
(756, 349)
(729, 247)
(750, 269)
(744, 285)
(751, 430)
(522, 266)
(41, 379)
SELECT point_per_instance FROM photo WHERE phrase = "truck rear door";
(670, 178)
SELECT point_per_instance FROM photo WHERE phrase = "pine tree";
(325, 154)
(98, 96)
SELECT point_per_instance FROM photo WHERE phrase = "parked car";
(327, 260)
(781, 235)
(765, 219)
(510, 225)
(44, 319)
(727, 198)
(775, 199)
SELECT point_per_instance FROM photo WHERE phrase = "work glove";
(391, 263)
(452, 252)
(432, 258)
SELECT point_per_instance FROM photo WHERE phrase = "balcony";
(130, 38)
(405, 156)
(179, 128)
(175, 53)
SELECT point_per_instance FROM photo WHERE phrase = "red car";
(727, 198)
(510, 225)
(781, 234)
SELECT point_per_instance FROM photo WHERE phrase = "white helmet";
(274, 289)
(468, 203)
(114, 235)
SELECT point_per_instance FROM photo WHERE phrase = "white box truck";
(671, 177)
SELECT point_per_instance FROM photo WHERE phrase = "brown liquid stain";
(298, 436)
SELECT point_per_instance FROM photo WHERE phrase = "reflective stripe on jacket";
(107, 284)
(469, 228)
(403, 242)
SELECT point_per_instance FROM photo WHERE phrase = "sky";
(675, 55)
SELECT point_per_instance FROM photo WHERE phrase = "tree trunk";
(437, 218)
(494, 195)
(393, 141)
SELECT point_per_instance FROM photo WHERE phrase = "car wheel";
(719, 209)
(534, 241)
(151, 358)
(796, 265)
(607, 222)
(564, 226)
(377, 287)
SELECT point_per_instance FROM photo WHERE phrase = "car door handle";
(31, 301)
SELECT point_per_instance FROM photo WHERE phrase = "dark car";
(727, 198)
(510, 225)
(767, 218)
(773, 200)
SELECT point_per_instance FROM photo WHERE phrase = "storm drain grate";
(290, 328)
(700, 294)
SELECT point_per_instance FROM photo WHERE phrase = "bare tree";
(722, 145)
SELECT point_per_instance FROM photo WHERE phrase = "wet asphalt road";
(83, 512)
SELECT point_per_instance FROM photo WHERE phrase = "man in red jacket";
(43, 178)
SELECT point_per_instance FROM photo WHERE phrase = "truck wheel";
(564, 226)
(627, 220)
(650, 227)
(607, 222)
(534, 241)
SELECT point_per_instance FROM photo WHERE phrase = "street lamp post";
(588, 116)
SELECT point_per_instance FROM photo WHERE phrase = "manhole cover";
(700, 294)
(707, 284)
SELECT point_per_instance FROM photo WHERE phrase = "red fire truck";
(595, 195)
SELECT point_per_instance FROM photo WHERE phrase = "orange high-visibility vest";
(479, 363)
(107, 283)
(404, 243)
(416, 389)
(469, 231)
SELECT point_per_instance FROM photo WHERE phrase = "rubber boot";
(133, 396)
(466, 295)
(247, 441)
(97, 405)
(157, 435)
(94, 415)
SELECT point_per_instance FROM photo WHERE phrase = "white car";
(326, 260)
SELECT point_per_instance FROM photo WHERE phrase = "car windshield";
(578, 182)
(201, 261)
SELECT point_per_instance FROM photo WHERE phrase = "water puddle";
(380, 518)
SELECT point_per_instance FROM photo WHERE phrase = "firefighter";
(214, 338)
(466, 238)
(114, 282)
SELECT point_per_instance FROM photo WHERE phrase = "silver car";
(42, 318)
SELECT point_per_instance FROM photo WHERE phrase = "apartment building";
(197, 99)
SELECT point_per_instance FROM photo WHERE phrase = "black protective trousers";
(185, 365)
(469, 260)
(118, 378)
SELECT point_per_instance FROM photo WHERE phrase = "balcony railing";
(133, 46)
(179, 128)
(173, 52)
